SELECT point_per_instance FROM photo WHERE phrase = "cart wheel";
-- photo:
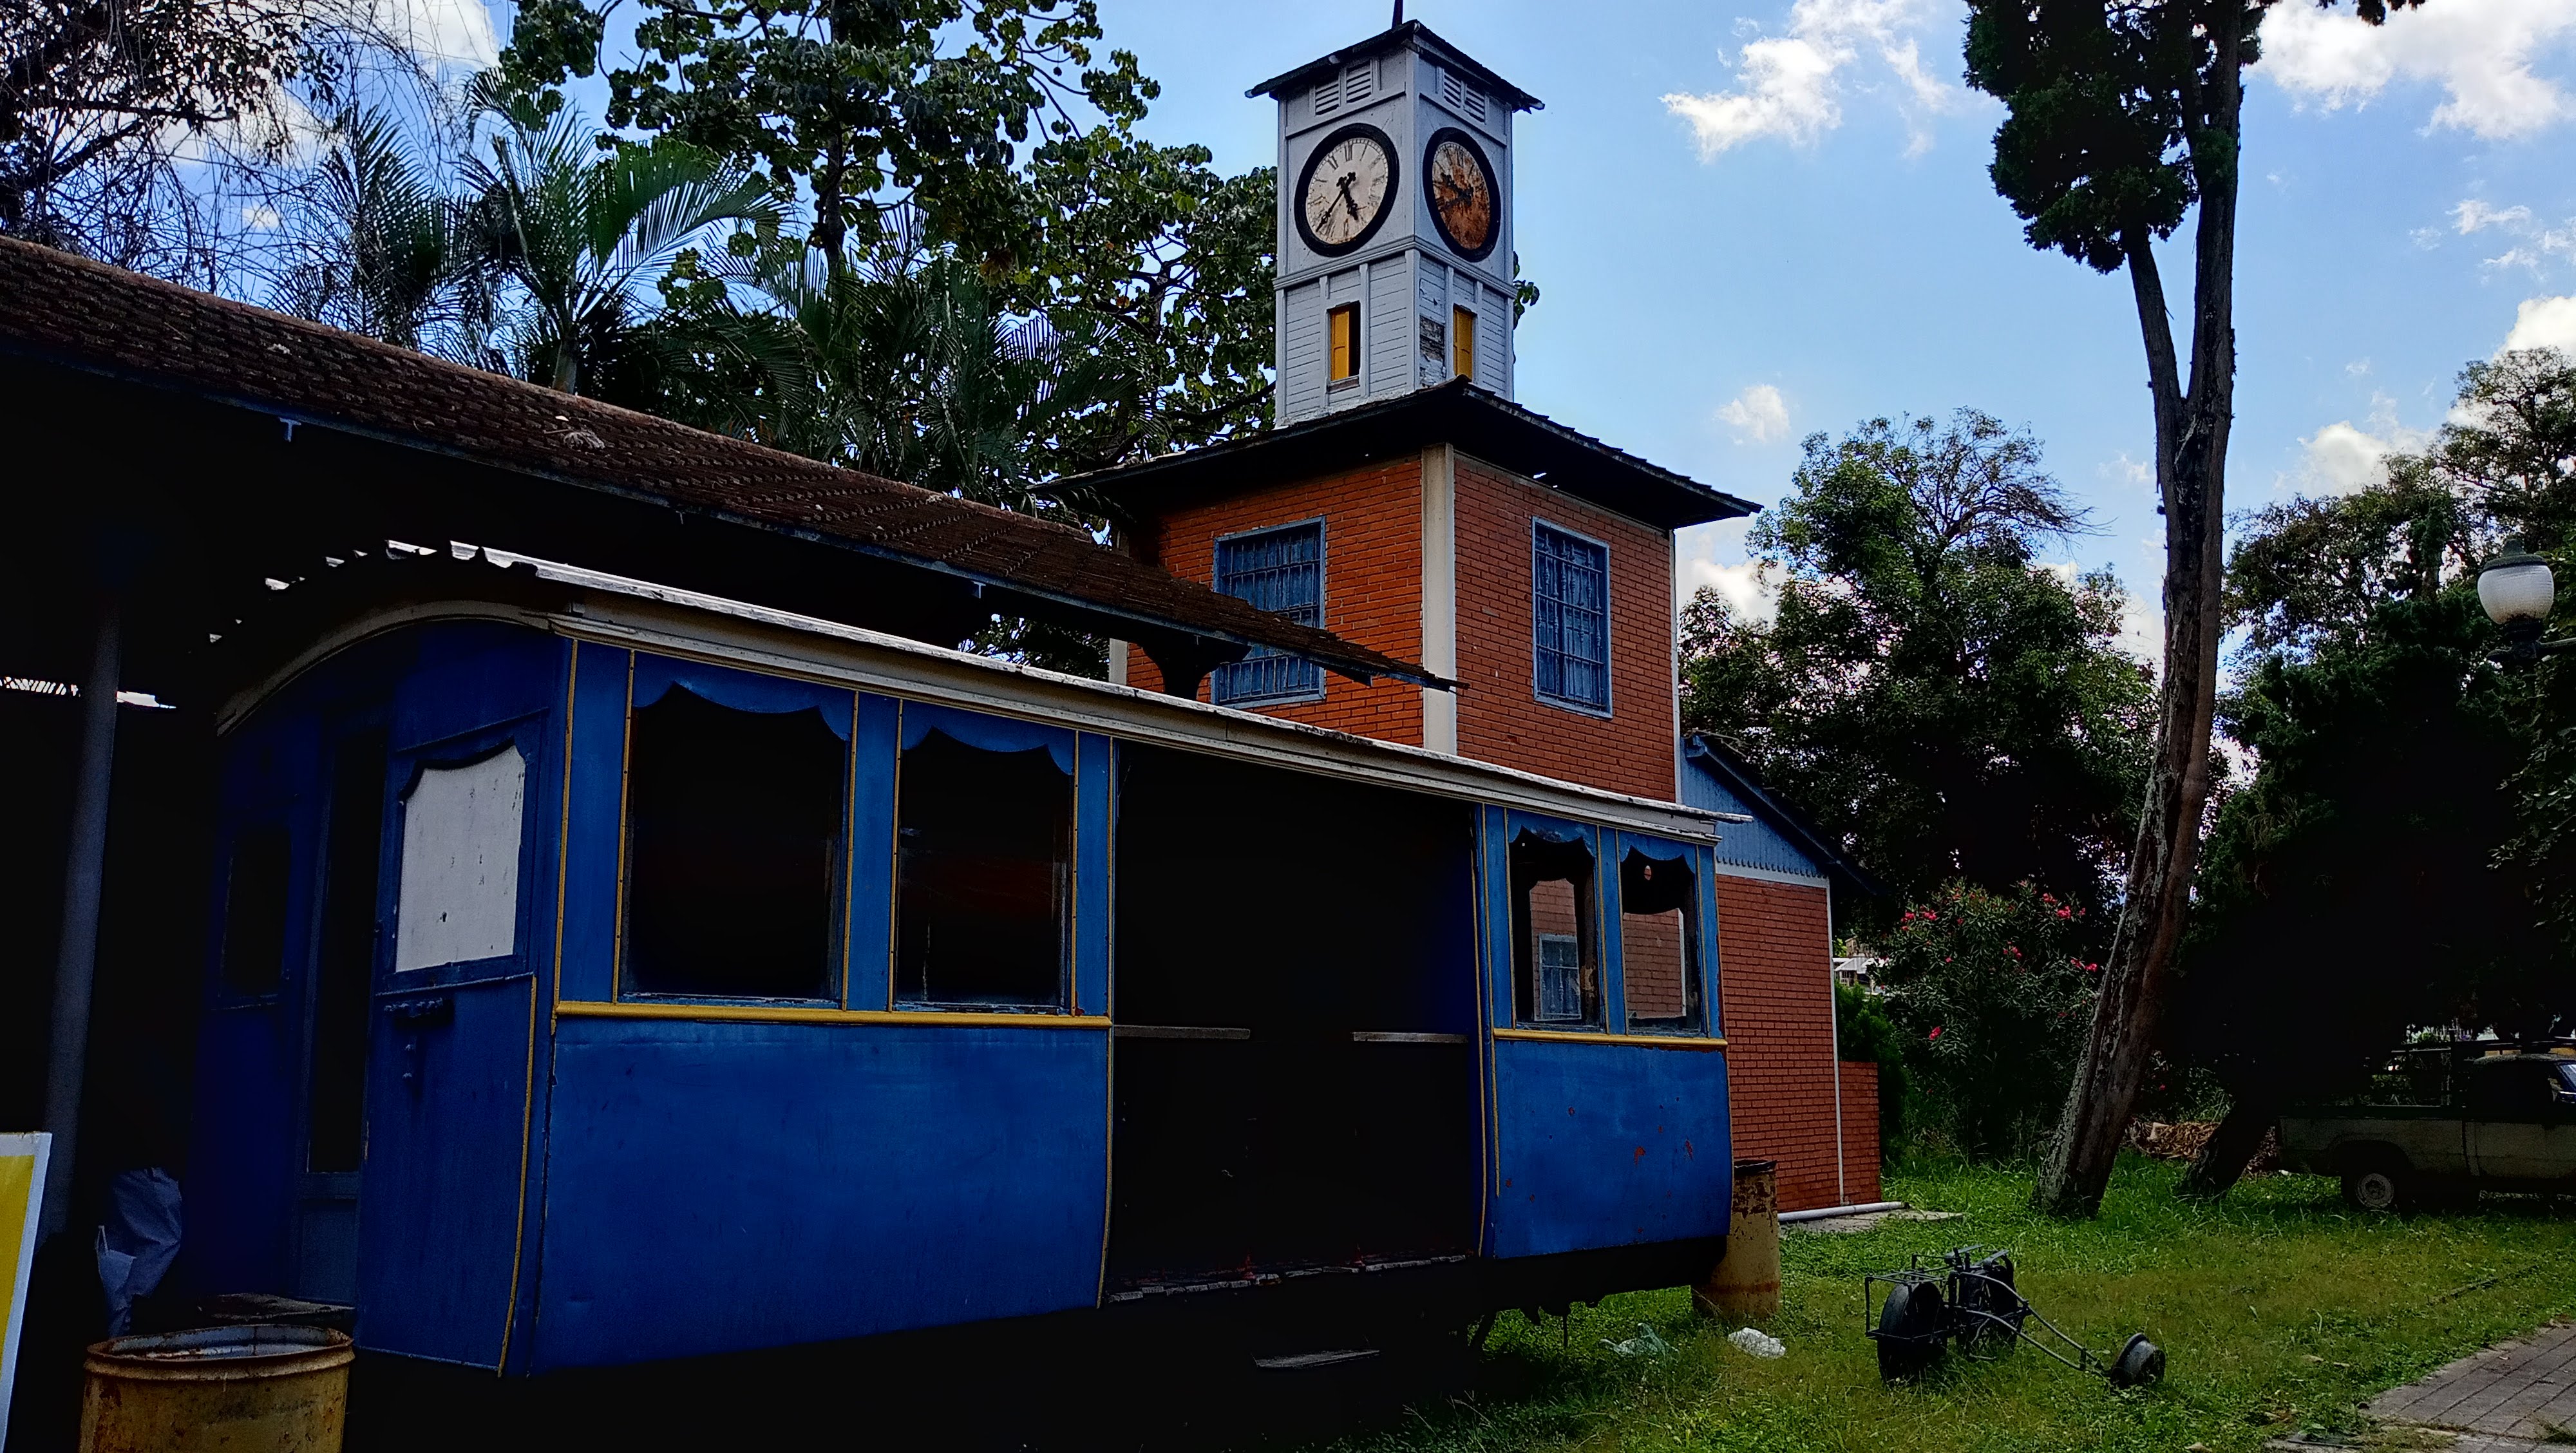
(2140, 1363)
(1988, 1287)
(1909, 1330)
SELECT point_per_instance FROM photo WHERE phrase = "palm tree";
(390, 245)
(581, 235)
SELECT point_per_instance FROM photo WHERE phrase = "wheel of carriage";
(2139, 1363)
(1910, 1324)
(2376, 1185)
(1991, 1306)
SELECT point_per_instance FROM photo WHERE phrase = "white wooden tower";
(1395, 222)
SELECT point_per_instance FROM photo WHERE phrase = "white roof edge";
(1418, 767)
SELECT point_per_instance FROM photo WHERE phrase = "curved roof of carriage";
(410, 429)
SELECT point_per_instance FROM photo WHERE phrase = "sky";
(1753, 221)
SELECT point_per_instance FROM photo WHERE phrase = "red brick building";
(1426, 527)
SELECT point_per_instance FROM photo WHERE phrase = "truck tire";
(2381, 1184)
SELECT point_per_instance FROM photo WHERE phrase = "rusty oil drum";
(271, 1388)
(1746, 1284)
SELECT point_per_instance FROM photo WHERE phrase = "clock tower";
(1395, 223)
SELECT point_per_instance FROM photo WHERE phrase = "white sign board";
(22, 1196)
(460, 863)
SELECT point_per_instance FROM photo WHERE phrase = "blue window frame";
(1281, 571)
(1570, 610)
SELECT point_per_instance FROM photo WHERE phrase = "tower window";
(1570, 611)
(1280, 571)
(1342, 327)
(1462, 342)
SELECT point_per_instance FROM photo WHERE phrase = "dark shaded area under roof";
(1738, 779)
(1481, 423)
(203, 444)
(1413, 31)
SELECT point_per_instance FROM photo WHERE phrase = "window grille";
(1571, 610)
(1280, 571)
(1560, 978)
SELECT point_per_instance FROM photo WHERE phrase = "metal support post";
(84, 878)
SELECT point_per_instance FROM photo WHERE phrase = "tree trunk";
(2191, 461)
(2230, 1147)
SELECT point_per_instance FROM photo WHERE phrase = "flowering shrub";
(1993, 992)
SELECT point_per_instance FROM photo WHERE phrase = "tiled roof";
(87, 315)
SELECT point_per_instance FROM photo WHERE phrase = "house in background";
(1407, 503)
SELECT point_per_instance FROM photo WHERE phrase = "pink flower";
(2066, 913)
(1935, 1034)
(2008, 948)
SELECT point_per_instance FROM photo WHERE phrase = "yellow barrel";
(1746, 1284)
(273, 1389)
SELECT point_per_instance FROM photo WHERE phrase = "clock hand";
(1346, 196)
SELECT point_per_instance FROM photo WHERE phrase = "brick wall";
(1500, 718)
(1372, 582)
(1774, 975)
(1860, 1132)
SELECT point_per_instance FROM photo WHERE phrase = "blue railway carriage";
(600, 974)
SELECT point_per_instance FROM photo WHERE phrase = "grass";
(2281, 1311)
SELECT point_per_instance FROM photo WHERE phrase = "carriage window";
(735, 851)
(459, 899)
(255, 912)
(984, 870)
(1555, 966)
(1658, 945)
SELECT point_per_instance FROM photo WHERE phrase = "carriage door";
(335, 1023)
(449, 1059)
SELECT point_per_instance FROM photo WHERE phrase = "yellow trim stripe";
(796, 1014)
(1641, 1041)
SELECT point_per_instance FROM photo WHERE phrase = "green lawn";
(2279, 1308)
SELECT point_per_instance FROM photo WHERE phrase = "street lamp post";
(2517, 590)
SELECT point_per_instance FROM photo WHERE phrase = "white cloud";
(2476, 216)
(2482, 53)
(1758, 415)
(261, 219)
(2544, 323)
(2134, 473)
(1789, 86)
(1748, 588)
(437, 33)
(2342, 458)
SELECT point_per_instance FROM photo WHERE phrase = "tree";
(2120, 120)
(854, 108)
(2362, 856)
(1990, 990)
(2399, 832)
(99, 100)
(581, 238)
(1939, 702)
(390, 243)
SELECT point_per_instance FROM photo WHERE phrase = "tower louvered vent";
(1328, 97)
(1359, 83)
(1464, 99)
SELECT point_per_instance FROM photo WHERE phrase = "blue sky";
(1812, 241)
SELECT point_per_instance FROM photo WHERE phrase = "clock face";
(1466, 205)
(1346, 191)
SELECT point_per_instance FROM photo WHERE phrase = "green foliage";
(1864, 1032)
(1940, 703)
(2400, 833)
(855, 110)
(582, 238)
(2363, 855)
(1992, 993)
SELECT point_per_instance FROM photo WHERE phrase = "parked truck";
(2445, 1122)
